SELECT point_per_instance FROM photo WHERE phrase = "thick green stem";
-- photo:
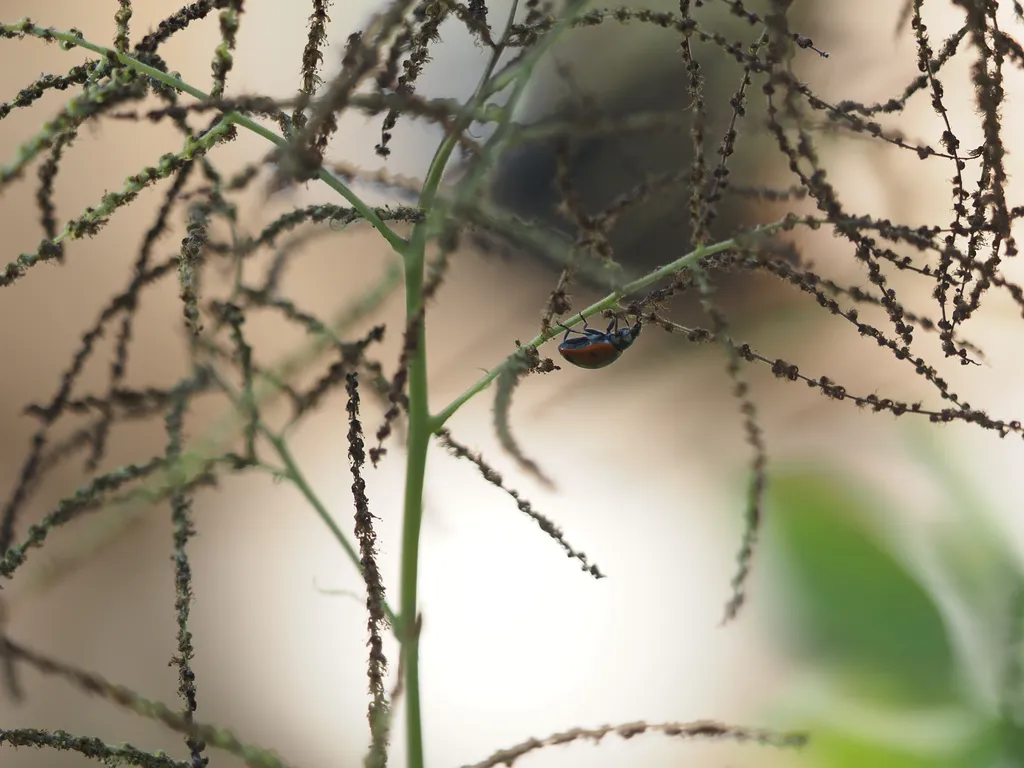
(416, 465)
(421, 423)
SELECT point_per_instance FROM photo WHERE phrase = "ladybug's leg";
(568, 331)
(573, 330)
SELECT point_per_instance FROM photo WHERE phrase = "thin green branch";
(200, 454)
(292, 473)
(220, 738)
(26, 27)
(608, 302)
(88, 746)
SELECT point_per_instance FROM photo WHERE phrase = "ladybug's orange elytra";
(595, 349)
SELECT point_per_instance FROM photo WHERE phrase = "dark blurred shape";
(651, 78)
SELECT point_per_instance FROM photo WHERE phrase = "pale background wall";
(516, 642)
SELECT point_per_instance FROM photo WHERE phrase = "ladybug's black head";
(622, 338)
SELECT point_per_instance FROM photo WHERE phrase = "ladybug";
(596, 349)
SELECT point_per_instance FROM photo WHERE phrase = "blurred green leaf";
(853, 604)
(1008, 743)
(981, 579)
(969, 543)
(842, 749)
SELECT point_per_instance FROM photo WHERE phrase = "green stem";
(415, 474)
(397, 242)
(420, 421)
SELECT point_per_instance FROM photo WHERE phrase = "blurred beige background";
(516, 642)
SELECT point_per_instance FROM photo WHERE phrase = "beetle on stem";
(595, 349)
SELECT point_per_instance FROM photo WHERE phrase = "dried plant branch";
(704, 729)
